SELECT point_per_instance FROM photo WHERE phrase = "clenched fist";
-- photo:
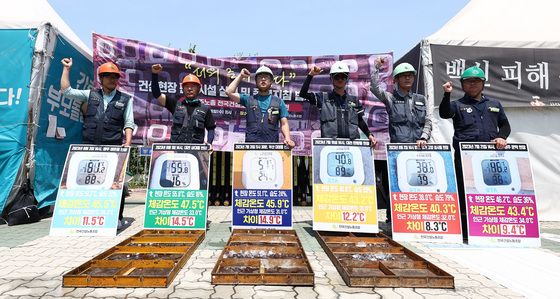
(315, 70)
(447, 87)
(156, 68)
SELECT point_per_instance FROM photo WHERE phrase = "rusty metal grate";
(263, 257)
(150, 258)
(375, 260)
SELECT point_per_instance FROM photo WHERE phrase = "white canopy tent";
(504, 25)
(25, 14)
(46, 31)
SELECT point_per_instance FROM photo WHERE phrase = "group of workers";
(476, 117)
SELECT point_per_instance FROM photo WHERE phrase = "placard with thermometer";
(90, 191)
(423, 193)
(344, 195)
(177, 196)
(499, 182)
(262, 186)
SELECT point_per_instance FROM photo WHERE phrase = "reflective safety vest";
(262, 127)
(329, 119)
(104, 126)
(405, 122)
(188, 128)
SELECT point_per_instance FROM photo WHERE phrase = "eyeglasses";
(472, 81)
(340, 77)
(110, 76)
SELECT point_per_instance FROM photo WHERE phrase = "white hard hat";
(264, 69)
(339, 67)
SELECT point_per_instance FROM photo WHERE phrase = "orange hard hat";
(108, 68)
(190, 78)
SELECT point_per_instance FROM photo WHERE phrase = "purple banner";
(135, 58)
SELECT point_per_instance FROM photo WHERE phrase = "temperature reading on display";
(175, 173)
(421, 172)
(340, 164)
(264, 169)
(496, 172)
(91, 172)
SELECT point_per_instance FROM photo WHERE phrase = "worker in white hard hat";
(341, 113)
(265, 112)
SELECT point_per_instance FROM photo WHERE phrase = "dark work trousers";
(382, 178)
(461, 192)
(121, 209)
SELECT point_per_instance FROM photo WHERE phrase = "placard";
(177, 196)
(423, 191)
(262, 186)
(90, 190)
(500, 195)
(344, 191)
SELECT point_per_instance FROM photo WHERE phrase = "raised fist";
(244, 74)
(156, 68)
(315, 70)
(67, 62)
(447, 87)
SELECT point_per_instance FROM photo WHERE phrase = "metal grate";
(150, 258)
(375, 260)
(263, 257)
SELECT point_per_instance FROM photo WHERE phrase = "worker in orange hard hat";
(190, 116)
(109, 112)
(116, 113)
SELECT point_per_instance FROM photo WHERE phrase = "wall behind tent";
(540, 128)
(58, 112)
(16, 52)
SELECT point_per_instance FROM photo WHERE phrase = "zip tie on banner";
(30, 35)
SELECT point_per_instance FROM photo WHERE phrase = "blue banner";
(60, 122)
(16, 53)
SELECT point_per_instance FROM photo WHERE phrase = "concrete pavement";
(32, 264)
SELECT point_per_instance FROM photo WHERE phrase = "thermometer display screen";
(340, 164)
(421, 172)
(175, 174)
(496, 172)
(92, 172)
(263, 169)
